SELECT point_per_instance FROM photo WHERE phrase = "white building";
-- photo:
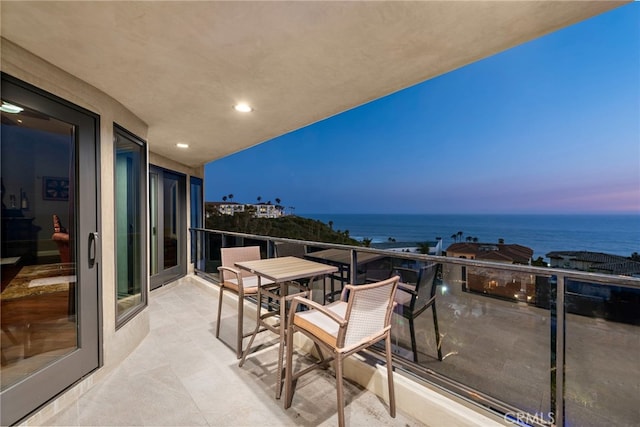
(260, 210)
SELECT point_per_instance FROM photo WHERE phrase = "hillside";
(290, 226)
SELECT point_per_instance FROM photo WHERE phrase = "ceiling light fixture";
(182, 145)
(243, 108)
(10, 108)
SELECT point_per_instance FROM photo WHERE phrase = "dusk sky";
(551, 126)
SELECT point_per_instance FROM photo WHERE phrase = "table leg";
(283, 332)
(283, 322)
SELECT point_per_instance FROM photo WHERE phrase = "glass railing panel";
(493, 333)
(213, 243)
(602, 362)
(494, 338)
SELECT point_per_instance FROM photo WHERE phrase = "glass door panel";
(153, 220)
(39, 322)
(171, 221)
(167, 204)
(49, 323)
(130, 215)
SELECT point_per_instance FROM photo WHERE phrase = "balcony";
(182, 375)
(506, 346)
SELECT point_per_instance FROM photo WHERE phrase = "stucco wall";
(116, 345)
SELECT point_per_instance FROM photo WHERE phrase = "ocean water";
(612, 234)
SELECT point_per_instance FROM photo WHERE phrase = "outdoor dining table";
(341, 258)
(282, 271)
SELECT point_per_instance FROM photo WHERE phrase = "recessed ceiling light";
(243, 108)
(10, 108)
(182, 145)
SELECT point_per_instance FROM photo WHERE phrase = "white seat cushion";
(249, 283)
(320, 324)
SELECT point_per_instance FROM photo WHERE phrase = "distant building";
(595, 262)
(496, 252)
(265, 210)
(260, 210)
(494, 282)
(615, 303)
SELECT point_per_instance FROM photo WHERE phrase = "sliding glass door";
(168, 224)
(49, 299)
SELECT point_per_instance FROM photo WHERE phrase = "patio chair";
(240, 282)
(61, 238)
(416, 293)
(290, 249)
(361, 318)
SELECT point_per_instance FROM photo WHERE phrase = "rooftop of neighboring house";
(600, 262)
(499, 252)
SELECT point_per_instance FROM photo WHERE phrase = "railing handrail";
(601, 278)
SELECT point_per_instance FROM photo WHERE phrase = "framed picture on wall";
(55, 188)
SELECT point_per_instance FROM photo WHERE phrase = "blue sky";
(551, 126)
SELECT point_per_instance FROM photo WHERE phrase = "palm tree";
(331, 225)
(424, 248)
(277, 200)
(259, 198)
(475, 240)
(230, 197)
(469, 238)
(224, 198)
(454, 237)
(459, 234)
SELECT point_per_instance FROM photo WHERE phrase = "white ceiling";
(181, 66)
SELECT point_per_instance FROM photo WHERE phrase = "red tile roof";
(499, 252)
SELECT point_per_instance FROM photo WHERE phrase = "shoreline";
(610, 234)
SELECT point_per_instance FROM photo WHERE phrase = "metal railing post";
(270, 247)
(559, 352)
(353, 268)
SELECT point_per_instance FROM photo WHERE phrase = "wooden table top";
(343, 256)
(286, 268)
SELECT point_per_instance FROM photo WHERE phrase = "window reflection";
(130, 223)
(38, 299)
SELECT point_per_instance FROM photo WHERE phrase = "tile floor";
(181, 375)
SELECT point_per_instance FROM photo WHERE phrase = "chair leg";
(339, 388)
(392, 392)
(288, 373)
(240, 326)
(414, 345)
(435, 327)
(219, 311)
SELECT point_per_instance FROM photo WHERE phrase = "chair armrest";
(319, 307)
(405, 288)
(230, 269)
